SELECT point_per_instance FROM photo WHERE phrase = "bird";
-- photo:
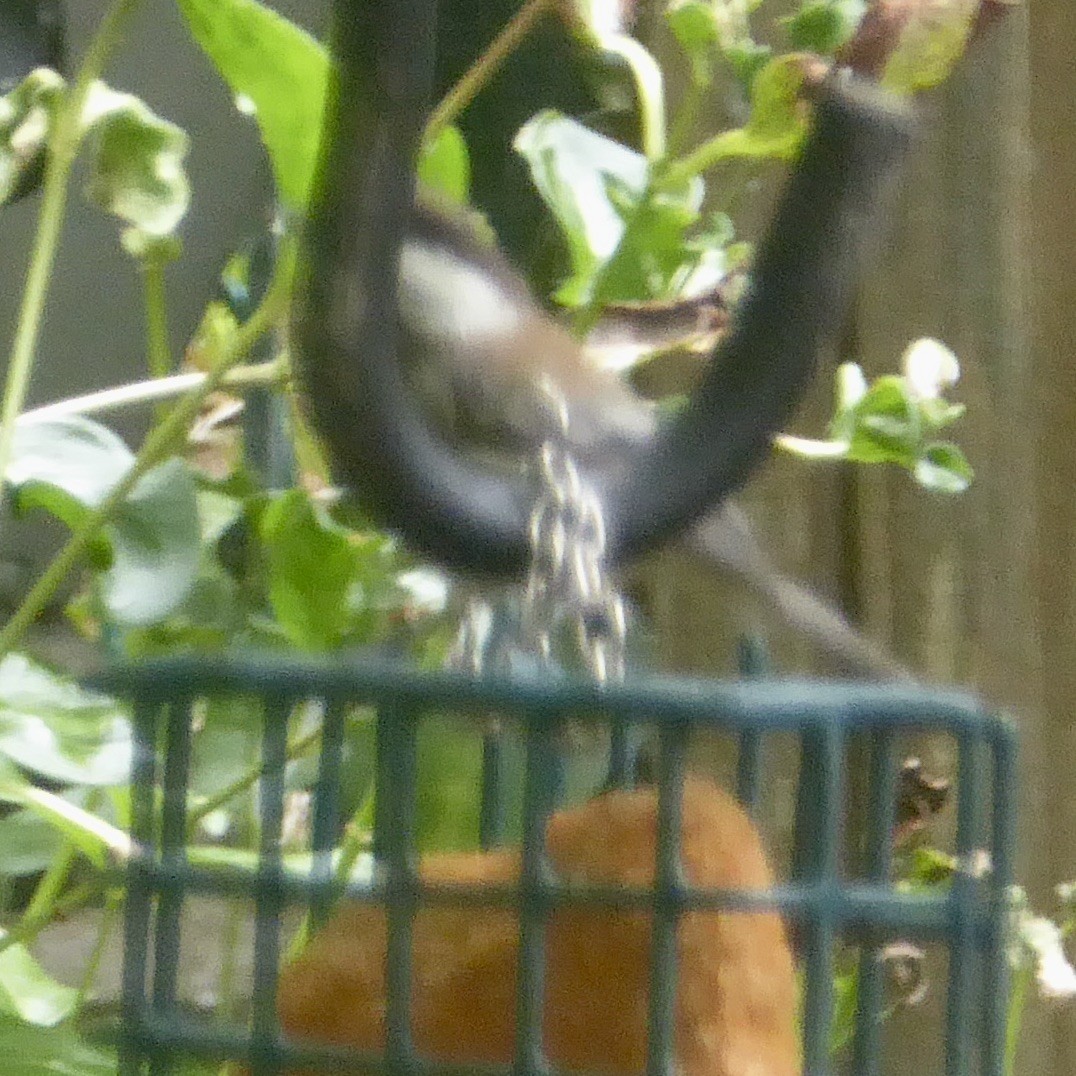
(491, 367)
(488, 362)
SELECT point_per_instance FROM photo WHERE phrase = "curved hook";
(409, 478)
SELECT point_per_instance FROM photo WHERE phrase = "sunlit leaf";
(97, 839)
(652, 248)
(27, 992)
(51, 1051)
(932, 40)
(137, 170)
(695, 27)
(311, 564)
(945, 468)
(593, 186)
(53, 727)
(778, 121)
(26, 114)
(729, 18)
(885, 426)
(925, 867)
(891, 421)
(571, 166)
(278, 72)
(68, 466)
(822, 26)
(444, 166)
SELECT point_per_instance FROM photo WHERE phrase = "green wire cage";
(827, 903)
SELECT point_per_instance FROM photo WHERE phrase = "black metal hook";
(408, 477)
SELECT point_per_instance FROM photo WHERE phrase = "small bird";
(489, 364)
(735, 1012)
(487, 360)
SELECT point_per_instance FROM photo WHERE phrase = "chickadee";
(490, 365)
(481, 352)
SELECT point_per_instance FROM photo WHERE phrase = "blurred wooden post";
(1050, 748)
(978, 589)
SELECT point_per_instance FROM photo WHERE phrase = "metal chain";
(572, 614)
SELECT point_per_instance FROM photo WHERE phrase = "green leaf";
(938, 413)
(885, 424)
(311, 565)
(28, 993)
(227, 740)
(26, 114)
(695, 27)
(652, 250)
(95, 838)
(943, 467)
(592, 186)
(217, 512)
(729, 19)
(156, 538)
(30, 1050)
(68, 466)
(774, 131)
(137, 170)
(822, 26)
(449, 777)
(280, 70)
(571, 166)
(444, 166)
(931, 42)
(926, 868)
(27, 843)
(747, 59)
(12, 782)
(778, 120)
(53, 727)
(845, 1008)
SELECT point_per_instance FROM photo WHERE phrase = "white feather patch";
(450, 298)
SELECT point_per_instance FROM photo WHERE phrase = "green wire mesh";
(824, 907)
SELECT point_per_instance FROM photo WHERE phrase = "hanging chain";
(572, 614)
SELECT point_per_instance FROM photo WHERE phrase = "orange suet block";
(736, 992)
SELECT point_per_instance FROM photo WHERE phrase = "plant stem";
(160, 442)
(239, 379)
(27, 929)
(811, 448)
(43, 902)
(1018, 994)
(113, 904)
(649, 88)
(158, 352)
(481, 72)
(53, 807)
(356, 842)
(295, 749)
(63, 146)
(686, 117)
(227, 982)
